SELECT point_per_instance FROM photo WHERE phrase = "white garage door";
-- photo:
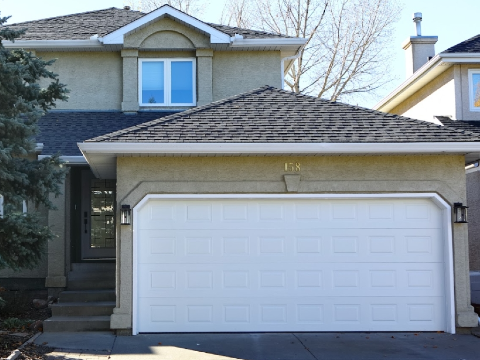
(226, 265)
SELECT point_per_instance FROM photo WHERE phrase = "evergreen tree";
(23, 238)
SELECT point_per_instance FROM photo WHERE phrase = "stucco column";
(121, 318)
(130, 80)
(204, 76)
(465, 317)
(56, 277)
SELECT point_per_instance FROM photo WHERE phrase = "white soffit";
(216, 37)
(101, 156)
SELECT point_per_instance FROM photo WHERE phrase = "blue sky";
(452, 22)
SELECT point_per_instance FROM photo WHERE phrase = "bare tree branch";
(346, 51)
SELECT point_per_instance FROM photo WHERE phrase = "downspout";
(282, 63)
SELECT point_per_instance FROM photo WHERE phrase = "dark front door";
(98, 217)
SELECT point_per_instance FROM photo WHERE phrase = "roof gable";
(270, 115)
(117, 36)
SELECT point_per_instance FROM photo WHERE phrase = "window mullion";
(168, 82)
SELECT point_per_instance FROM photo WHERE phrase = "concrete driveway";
(263, 346)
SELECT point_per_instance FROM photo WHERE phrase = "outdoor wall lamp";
(460, 212)
(125, 215)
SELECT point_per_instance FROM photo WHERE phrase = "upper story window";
(474, 89)
(167, 82)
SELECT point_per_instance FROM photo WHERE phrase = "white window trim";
(472, 72)
(167, 81)
(1, 206)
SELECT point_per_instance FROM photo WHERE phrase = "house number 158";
(292, 167)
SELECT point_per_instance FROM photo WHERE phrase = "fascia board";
(216, 37)
(279, 148)
(474, 56)
(268, 42)
(43, 44)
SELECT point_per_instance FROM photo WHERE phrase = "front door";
(98, 217)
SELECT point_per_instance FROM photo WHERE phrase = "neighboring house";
(444, 89)
(252, 208)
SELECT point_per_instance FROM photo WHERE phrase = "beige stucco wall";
(473, 196)
(235, 72)
(437, 98)
(93, 78)
(109, 80)
(137, 177)
(464, 95)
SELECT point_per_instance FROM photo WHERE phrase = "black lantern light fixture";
(125, 215)
(460, 212)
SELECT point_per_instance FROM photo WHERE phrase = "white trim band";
(46, 44)
(278, 148)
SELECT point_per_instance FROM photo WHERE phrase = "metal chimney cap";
(417, 16)
(128, 8)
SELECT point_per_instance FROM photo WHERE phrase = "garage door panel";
(290, 265)
(224, 214)
(263, 280)
(358, 245)
(294, 313)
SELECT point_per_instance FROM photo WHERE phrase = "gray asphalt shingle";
(61, 131)
(471, 45)
(82, 26)
(268, 115)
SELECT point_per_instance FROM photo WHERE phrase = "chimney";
(418, 49)
(126, 8)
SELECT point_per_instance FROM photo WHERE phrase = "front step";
(88, 302)
(99, 308)
(87, 295)
(91, 283)
(76, 323)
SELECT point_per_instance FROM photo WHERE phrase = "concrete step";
(86, 295)
(93, 267)
(103, 308)
(76, 323)
(91, 283)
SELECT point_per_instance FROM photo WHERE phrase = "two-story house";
(213, 201)
(444, 88)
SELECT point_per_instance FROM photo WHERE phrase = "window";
(474, 89)
(166, 82)
(20, 208)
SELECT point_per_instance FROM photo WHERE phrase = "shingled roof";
(471, 45)
(82, 26)
(60, 131)
(270, 115)
(470, 127)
